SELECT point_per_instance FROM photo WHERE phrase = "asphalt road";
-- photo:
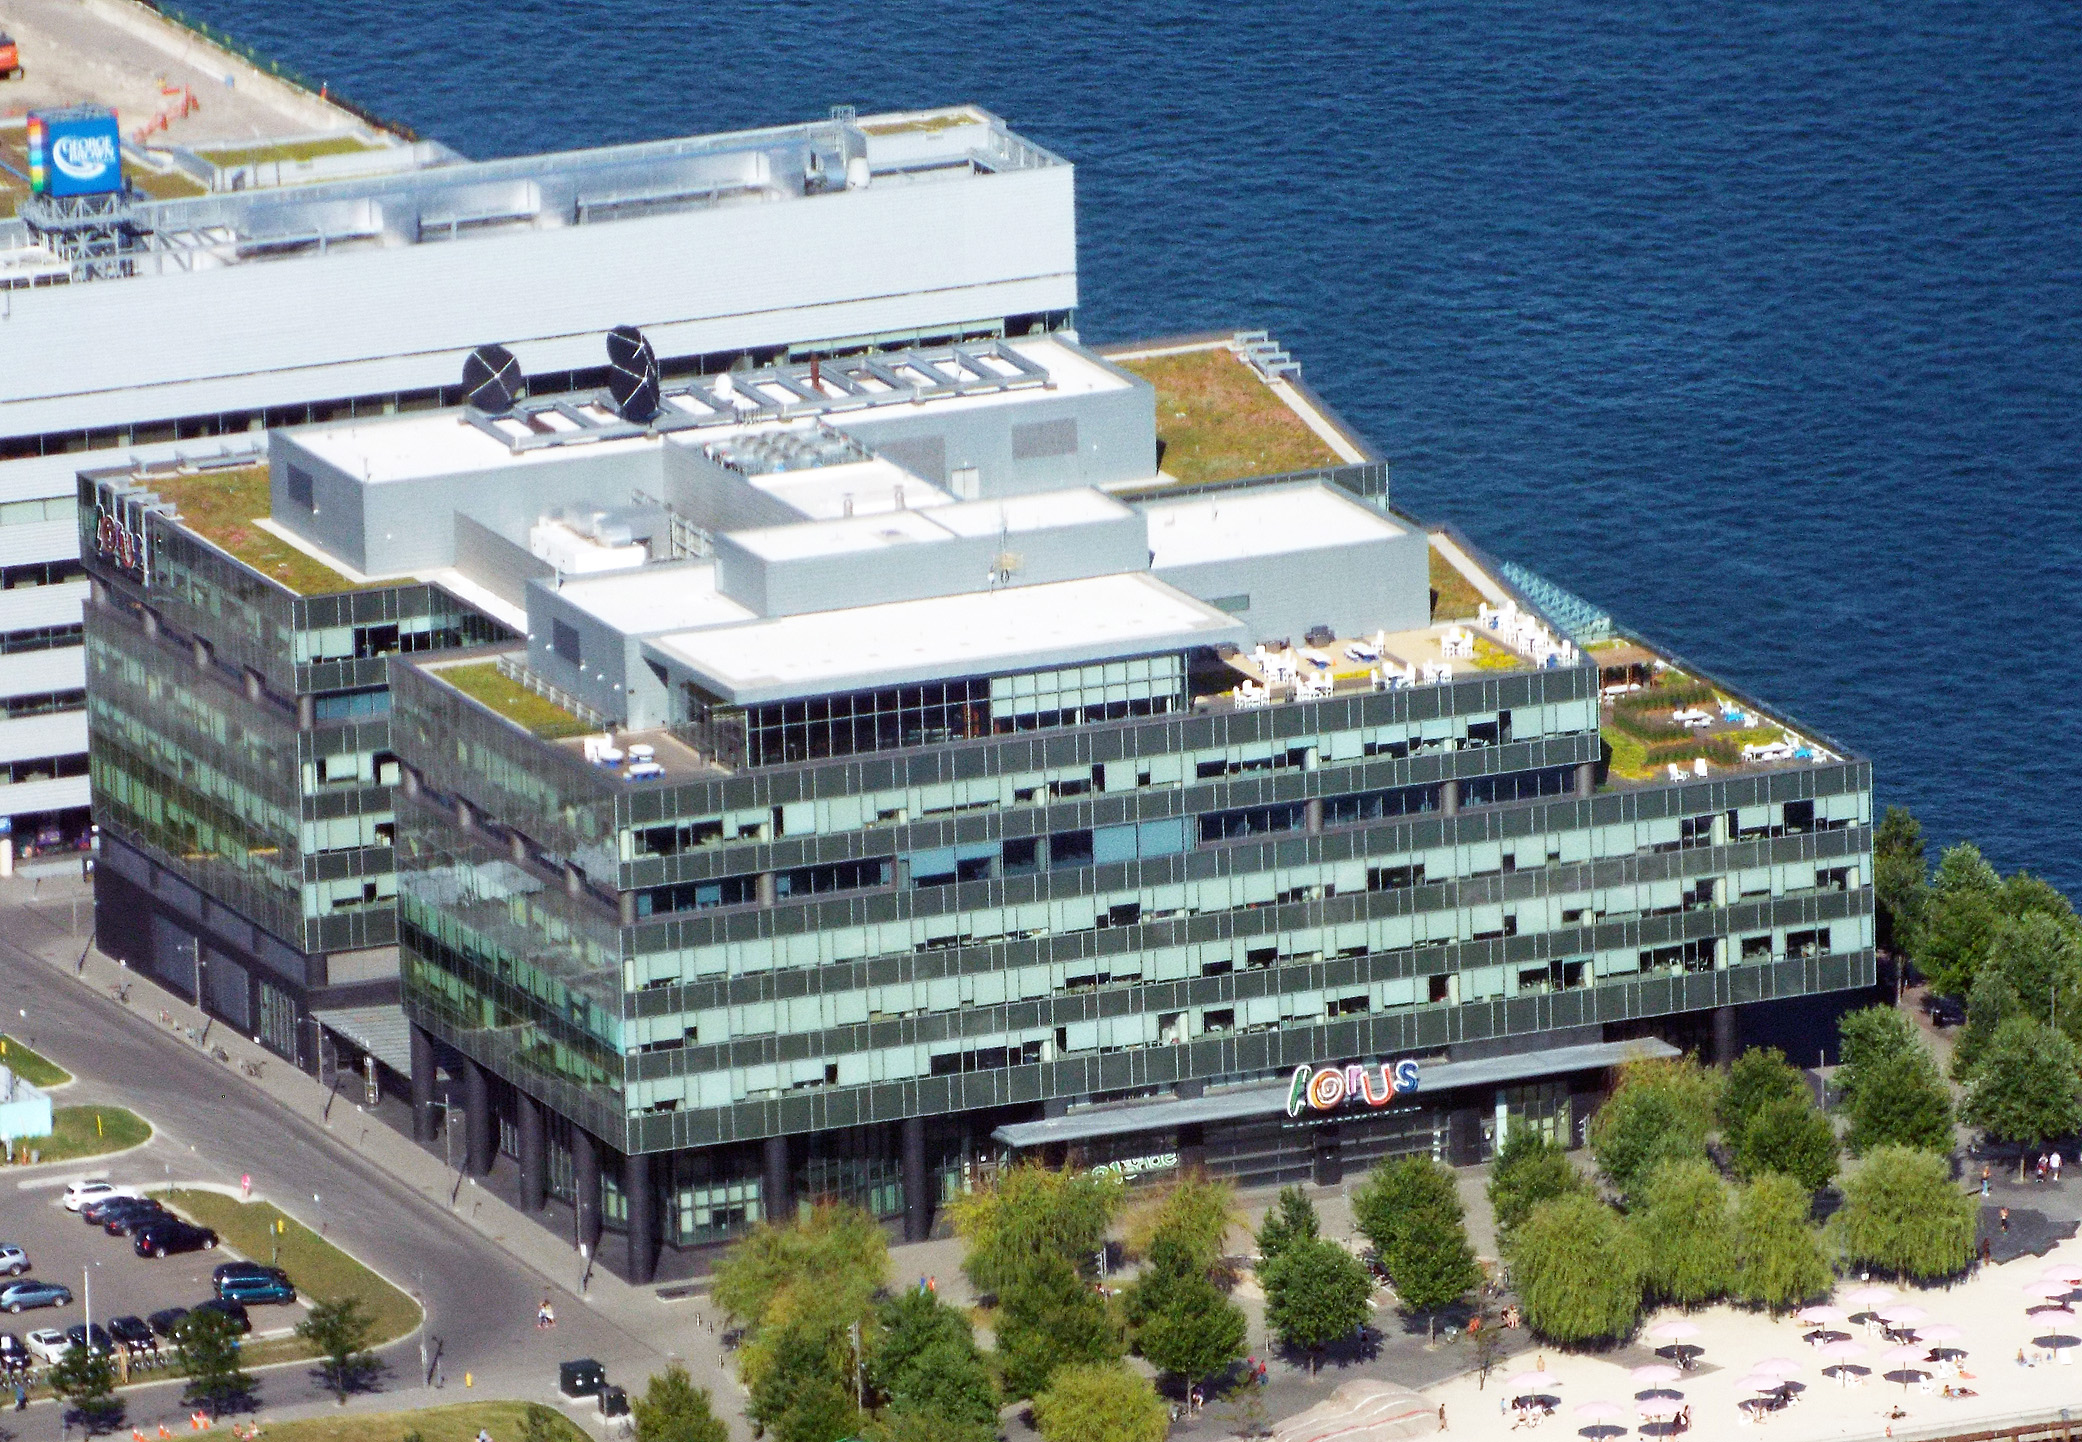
(480, 1302)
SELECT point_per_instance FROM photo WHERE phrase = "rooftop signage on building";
(77, 151)
(1327, 1088)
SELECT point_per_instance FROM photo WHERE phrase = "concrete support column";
(534, 1169)
(1449, 798)
(422, 1085)
(477, 1122)
(306, 712)
(776, 1203)
(643, 1217)
(1724, 1035)
(1586, 777)
(765, 884)
(918, 1205)
(1312, 815)
(585, 1180)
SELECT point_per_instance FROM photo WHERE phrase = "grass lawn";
(481, 681)
(89, 1132)
(1453, 596)
(286, 150)
(1217, 420)
(32, 1067)
(457, 1423)
(221, 506)
(320, 1270)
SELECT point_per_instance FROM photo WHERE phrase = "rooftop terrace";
(227, 505)
(1219, 418)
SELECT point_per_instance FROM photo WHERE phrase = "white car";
(49, 1343)
(80, 1194)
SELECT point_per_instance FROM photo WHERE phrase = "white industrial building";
(199, 323)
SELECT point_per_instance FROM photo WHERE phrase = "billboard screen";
(78, 151)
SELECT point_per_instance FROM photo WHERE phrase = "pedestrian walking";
(2054, 1162)
(2042, 1168)
(1442, 1416)
(2004, 1214)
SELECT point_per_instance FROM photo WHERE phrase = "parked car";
(79, 1194)
(1945, 1010)
(251, 1290)
(173, 1236)
(129, 1224)
(132, 1332)
(13, 1355)
(78, 1332)
(48, 1344)
(241, 1323)
(246, 1269)
(163, 1321)
(19, 1296)
(13, 1260)
(97, 1213)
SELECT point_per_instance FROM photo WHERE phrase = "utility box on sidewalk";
(614, 1402)
(583, 1378)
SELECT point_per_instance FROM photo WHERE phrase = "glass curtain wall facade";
(1110, 910)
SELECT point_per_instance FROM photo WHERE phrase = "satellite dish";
(492, 379)
(632, 374)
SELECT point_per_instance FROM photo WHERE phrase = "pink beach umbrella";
(1655, 1372)
(2070, 1272)
(1777, 1366)
(1938, 1332)
(1760, 1382)
(1819, 1316)
(1845, 1351)
(1674, 1331)
(1534, 1381)
(1870, 1296)
(1904, 1315)
(1905, 1353)
(1600, 1411)
(2048, 1288)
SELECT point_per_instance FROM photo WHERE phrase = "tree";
(673, 1409)
(1095, 1403)
(1788, 1136)
(838, 1253)
(2039, 953)
(1902, 1214)
(1528, 1169)
(1902, 1102)
(801, 1381)
(1900, 880)
(207, 1344)
(1410, 1210)
(1759, 1076)
(1245, 1413)
(1660, 1111)
(1315, 1292)
(1291, 1219)
(540, 1424)
(1779, 1260)
(928, 1363)
(1032, 1213)
(338, 1331)
(1196, 1334)
(1683, 1226)
(86, 1380)
(1952, 938)
(2026, 1090)
(1051, 1318)
(1579, 1270)
(1196, 1211)
(1866, 1038)
(1991, 1002)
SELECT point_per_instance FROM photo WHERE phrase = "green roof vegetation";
(482, 682)
(1218, 421)
(927, 123)
(230, 155)
(1453, 596)
(222, 506)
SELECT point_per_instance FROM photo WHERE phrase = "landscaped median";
(505, 1421)
(79, 1132)
(320, 1271)
(31, 1066)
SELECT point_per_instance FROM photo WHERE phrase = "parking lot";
(62, 1248)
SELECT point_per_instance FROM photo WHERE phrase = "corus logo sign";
(1325, 1089)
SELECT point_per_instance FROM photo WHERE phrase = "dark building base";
(213, 958)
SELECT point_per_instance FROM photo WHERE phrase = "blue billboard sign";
(76, 151)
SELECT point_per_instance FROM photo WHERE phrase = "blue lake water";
(1759, 326)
